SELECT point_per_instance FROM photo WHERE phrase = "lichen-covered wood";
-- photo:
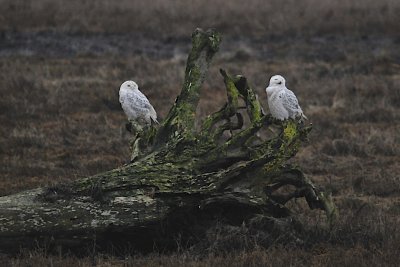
(175, 172)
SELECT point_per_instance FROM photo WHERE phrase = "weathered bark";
(176, 173)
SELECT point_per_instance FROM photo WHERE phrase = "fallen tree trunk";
(176, 173)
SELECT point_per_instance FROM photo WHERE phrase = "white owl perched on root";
(136, 105)
(282, 102)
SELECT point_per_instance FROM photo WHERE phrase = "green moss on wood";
(181, 117)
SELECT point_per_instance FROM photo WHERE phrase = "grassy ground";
(179, 17)
(61, 65)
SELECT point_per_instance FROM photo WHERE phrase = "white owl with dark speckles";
(282, 102)
(136, 105)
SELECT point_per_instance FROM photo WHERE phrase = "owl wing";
(144, 103)
(290, 102)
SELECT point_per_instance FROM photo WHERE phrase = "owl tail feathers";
(301, 117)
(154, 120)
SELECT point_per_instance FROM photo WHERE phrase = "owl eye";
(280, 83)
(129, 85)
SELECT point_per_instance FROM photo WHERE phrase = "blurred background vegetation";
(180, 17)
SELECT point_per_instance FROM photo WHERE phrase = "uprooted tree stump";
(178, 175)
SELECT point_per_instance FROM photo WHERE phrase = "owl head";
(129, 85)
(277, 80)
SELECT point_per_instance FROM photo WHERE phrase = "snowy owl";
(282, 102)
(136, 105)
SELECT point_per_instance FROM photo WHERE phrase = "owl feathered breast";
(136, 105)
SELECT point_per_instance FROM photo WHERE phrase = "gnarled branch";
(176, 172)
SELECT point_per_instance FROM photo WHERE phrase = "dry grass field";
(62, 62)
